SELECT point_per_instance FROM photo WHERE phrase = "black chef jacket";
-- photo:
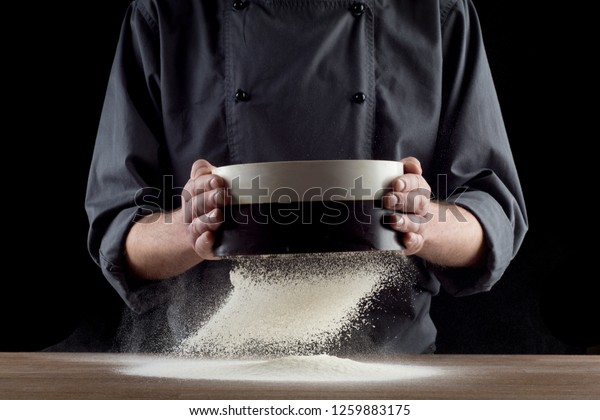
(270, 80)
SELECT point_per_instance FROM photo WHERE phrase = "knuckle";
(198, 226)
(390, 201)
(422, 205)
(401, 199)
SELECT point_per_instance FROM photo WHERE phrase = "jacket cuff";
(499, 236)
(139, 295)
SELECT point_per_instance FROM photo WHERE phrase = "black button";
(357, 9)
(240, 5)
(359, 98)
(242, 95)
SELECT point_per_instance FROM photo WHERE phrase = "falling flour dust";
(284, 318)
(300, 305)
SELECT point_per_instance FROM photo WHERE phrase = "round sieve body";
(306, 207)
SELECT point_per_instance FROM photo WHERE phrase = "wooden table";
(96, 376)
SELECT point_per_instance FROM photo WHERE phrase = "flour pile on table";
(320, 368)
(294, 305)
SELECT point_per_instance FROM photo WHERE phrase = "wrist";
(159, 247)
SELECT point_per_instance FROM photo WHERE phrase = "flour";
(300, 305)
(318, 368)
(285, 316)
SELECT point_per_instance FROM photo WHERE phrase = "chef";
(197, 84)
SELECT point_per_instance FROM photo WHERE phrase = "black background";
(58, 66)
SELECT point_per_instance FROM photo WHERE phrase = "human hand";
(204, 197)
(410, 198)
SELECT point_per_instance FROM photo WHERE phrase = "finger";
(412, 165)
(204, 203)
(200, 232)
(211, 220)
(207, 222)
(390, 201)
(410, 194)
(413, 243)
(408, 223)
(200, 167)
(207, 182)
(409, 182)
(416, 202)
(204, 245)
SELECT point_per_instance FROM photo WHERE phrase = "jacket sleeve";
(473, 156)
(126, 174)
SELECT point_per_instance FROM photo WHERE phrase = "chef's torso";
(268, 80)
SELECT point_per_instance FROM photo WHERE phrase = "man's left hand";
(411, 198)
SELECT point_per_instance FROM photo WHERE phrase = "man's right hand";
(204, 198)
(165, 246)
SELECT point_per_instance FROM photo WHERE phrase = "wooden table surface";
(96, 376)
